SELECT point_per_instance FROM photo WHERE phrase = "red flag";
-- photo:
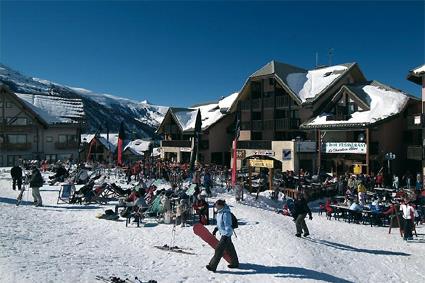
(121, 137)
(235, 143)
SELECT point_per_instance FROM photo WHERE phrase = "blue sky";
(182, 53)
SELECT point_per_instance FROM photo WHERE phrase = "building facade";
(29, 131)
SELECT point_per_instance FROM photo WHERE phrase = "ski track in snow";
(66, 243)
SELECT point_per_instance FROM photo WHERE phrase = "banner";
(346, 147)
(263, 163)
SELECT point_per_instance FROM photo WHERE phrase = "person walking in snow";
(300, 212)
(36, 181)
(408, 213)
(224, 226)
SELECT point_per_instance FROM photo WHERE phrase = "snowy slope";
(66, 243)
(101, 110)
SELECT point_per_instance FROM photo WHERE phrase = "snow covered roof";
(383, 102)
(138, 147)
(303, 85)
(308, 85)
(415, 75)
(54, 109)
(103, 138)
(210, 113)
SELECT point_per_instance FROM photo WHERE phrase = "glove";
(215, 231)
(310, 217)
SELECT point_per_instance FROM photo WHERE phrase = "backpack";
(234, 221)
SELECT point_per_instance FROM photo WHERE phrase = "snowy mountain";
(102, 110)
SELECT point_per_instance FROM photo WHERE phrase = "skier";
(301, 211)
(36, 181)
(16, 173)
(224, 226)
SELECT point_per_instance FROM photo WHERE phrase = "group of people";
(35, 181)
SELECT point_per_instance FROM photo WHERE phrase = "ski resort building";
(39, 127)
(331, 118)
(417, 76)
(178, 128)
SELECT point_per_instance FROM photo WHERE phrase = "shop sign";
(286, 154)
(306, 146)
(346, 147)
(263, 163)
(264, 152)
(185, 149)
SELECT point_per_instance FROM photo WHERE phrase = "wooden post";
(319, 154)
(367, 152)
(249, 177)
(271, 179)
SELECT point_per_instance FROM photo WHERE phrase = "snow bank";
(420, 70)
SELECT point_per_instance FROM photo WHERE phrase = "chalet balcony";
(245, 126)
(414, 152)
(415, 122)
(268, 124)
(283, 101)
(287, 123)
(16, 146)
(176, 143)
(255, 144)
(67, 145)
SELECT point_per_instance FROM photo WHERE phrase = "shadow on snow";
(343, 247)
(284, 272)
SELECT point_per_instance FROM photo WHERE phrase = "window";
(51, 158)
(49, 139)
(9, 104)
(67, 139)
(17, 121)
(64, 156)
(17, 139)
(271, 81)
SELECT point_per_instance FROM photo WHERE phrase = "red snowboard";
(209, 238)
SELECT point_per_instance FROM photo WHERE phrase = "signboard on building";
(305, 146)
(240, 154)
(185, 149)
(264, 152)
(263, 163)
(286, 154)
(345, 147)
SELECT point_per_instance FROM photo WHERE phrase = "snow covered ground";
(67, 243)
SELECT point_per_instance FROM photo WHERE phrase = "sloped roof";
(415, 75)
(54, 109)
(111, 145)
(210, 114)
(138, 147)
(384, 102)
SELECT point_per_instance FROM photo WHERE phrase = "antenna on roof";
(317, 59)
(330, 53)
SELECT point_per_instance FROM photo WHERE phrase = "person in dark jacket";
(300, 212)
(16, 173)
(224, 226)
(36, 181)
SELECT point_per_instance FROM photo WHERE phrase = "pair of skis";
(114, 279)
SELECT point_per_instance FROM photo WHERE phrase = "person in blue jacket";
(224, 226)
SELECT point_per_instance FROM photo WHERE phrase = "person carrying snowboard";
(301, 211)
(224, 226)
